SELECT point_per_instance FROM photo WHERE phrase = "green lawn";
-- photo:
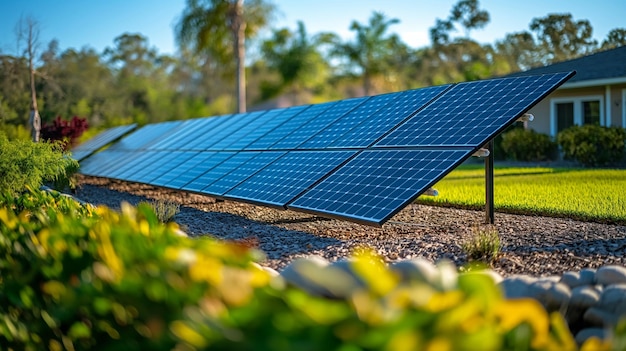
(587, 194)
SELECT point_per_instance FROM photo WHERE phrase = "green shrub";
(15, 131)
(164, 210)
(593, 145)
(527, 145)
(76, 278)
(24, 164)
(79, 278)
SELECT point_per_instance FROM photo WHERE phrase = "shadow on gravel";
(273, 240)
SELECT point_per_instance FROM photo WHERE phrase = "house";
(595, 95)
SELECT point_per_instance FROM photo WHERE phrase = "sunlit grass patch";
(588, 194)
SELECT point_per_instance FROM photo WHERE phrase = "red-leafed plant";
(65, 131)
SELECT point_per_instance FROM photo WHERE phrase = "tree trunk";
(34, 119)
(239, 29)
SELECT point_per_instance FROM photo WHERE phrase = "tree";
(561, 38)
(27, 31)
(519, 50)
(297, 59)
(615, 39)
(467, 13)
(373, 48)
(221, 28)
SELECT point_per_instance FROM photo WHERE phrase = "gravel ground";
(538, 246)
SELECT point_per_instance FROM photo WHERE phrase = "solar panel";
(248, 133)
(242, 172)
(191, 169)
(376, 184)
(361, 159)
(301, 135)
(469, 114)
(144, 136)
(288, 176)
(371, 129)
(223, 162)
(348, 121)
(232, 131)
(189, 131)
(100, 140)
(270, 133)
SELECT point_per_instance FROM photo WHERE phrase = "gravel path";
(538, 246)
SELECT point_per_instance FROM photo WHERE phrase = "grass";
(484, 244)
(585, 194)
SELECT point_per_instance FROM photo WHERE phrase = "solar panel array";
(103, 138)
(361, 159)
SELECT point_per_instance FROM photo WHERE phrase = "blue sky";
(95, 23)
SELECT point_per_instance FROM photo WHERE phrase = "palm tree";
(372, 49)
(220, 27)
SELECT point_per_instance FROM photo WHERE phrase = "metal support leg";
(489, 211)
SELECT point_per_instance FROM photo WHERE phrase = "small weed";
(164, 210)
(484, 245)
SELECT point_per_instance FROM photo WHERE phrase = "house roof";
(601, 68)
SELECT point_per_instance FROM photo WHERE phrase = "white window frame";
(578, 109)
(623, 108)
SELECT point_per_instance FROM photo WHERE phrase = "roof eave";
(594, 82)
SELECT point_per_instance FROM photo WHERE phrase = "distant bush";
(593, 145)
(24, 164)
(484, 244)
(15, 131)
(67, 132)
(527, 145)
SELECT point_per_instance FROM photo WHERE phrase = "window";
(567, 112)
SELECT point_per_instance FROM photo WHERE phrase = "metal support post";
(489, 211)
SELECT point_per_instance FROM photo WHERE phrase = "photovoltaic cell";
(144, 136)
(229, 161)
(287, 135)
(242, 172)
(233, 131)
(388, 117)
(196, 166)
(266, 134)
(160, 164)
(188, 132)
(300, 136)
(348, 121)
(376, 184)
(248, 133)
(288, 176)
(102, 139)
(469, 114)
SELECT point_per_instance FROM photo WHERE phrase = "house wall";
(542, 111)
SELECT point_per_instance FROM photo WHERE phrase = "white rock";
(598, 317)
(517, 286)
(415, 270)
(306, 274)
(571, 279)
(588, 276)
(609, 275)
(448, 275)
(553, 296)
(613, 299)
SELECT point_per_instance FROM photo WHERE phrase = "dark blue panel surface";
(248, 133)
(323, 119)
(469, 114)
(288, 176)
(196, 166)
(188, 132)
(376, 184)
(388, 117)
(105, 163)
(131, 169)
(145, 136)
(229, 161)
(233, 131)
(284, 138)
(289, 121)
(245, 169)
(348, 121)
(163, 161)
(102, 139)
